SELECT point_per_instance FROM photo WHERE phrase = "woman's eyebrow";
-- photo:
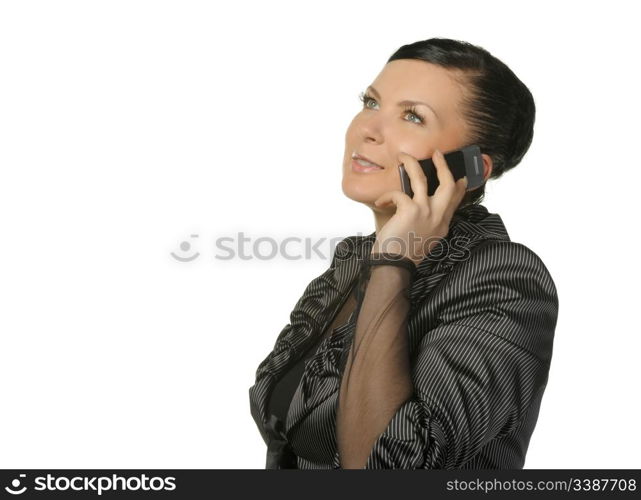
(405, 102)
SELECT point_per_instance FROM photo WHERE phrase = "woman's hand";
(419, 222)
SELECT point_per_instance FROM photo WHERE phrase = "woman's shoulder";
(502, 289)
(482, 271)
(478, 242)
(508, 258)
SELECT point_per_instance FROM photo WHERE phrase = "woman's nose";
(370, 130)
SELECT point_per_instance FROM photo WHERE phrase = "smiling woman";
(427, 343)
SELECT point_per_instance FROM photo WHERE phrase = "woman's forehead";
(420, 77)
(416, 80)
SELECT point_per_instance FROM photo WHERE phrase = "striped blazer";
(483, 311)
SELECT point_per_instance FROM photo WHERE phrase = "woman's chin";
(358, 192)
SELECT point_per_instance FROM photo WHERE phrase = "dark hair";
(497, 106)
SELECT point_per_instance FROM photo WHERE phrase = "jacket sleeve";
(475, 374)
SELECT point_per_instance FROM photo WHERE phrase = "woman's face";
(385, 127)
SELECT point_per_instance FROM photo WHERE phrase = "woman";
(427, 343)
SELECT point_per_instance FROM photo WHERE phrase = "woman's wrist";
(375, 259)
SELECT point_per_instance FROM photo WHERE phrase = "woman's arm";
(376, 380)
(474, 375)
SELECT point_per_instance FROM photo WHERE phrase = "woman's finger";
(418, 180)
(460, 189)
(443, 171)
(399, 198)
(446, 190)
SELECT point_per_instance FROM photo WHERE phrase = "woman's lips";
(357, 167)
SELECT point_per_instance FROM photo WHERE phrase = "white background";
(127, 126)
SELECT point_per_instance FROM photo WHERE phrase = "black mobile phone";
(466, 161)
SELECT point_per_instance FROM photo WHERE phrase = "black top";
(285, 388)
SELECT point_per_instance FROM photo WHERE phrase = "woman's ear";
(487, 166)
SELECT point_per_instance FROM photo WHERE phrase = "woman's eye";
(418, 118)
(367, 100)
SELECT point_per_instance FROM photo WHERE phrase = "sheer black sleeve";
(376, 379)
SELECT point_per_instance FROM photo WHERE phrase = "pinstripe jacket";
(483, 311)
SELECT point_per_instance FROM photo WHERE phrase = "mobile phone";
(466, 161)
